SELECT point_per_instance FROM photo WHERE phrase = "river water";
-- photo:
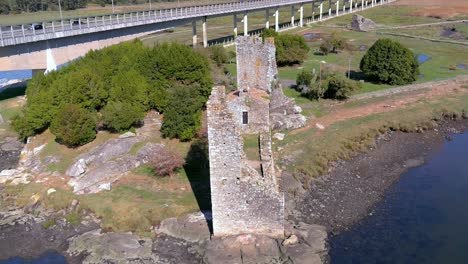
(423, 218)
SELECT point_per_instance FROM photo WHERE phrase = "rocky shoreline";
(350, 191)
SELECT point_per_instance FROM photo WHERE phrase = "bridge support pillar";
(344, 7)
(338, 8)
(293, 10)
(205, 34)
(362, 4)
(194, 33)
(301, 15)
(351, 6)
(329, 8)
(235, 25)
(321, 11)
(313, 11)
(246, 24)
(267, 19)
(277, 20)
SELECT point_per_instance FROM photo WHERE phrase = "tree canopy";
(120, 83)
(290, 49)
(390, 62)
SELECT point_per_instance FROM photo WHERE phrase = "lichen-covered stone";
(360, 23)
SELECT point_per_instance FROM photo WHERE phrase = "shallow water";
(423, 218)
(51, 257)
(422, 58)
(14, 75)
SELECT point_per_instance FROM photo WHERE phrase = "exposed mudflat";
(351, 189)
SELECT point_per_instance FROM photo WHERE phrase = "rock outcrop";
(10, 149)
(111, 247)
(284, 113)
(360, 23)
(192, 228)
(306, 244)
(96, 170)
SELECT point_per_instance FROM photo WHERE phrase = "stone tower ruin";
(245, 192)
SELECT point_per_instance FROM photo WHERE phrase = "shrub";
(269, 33)
(390, 62)
(182, 118)
(219, 55)
(335, 42)
(339, 87)
(120, 116)
(165, 162)
(74, 126)
(304, 78)
(324, 48)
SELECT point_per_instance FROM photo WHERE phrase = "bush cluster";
(388, 61)
(331, 85)
(119, 84)
(290, 49)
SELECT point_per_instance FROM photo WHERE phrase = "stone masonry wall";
(243, 201)
(256, 63)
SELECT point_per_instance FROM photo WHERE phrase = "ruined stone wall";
(256, 63)
(256, 103)
(243, 200)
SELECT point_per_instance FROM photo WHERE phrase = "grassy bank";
(342, 139)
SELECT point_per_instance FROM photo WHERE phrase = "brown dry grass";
(437, 8)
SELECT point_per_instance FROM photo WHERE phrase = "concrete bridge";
(46, 44)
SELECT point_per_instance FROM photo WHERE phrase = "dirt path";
(386, 105)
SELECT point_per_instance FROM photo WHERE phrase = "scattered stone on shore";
(51, 191)
(1, 120)
(290, 241)
(15, 177)
(360, 23)
(279, 136)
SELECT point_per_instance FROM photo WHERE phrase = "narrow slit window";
(245, 118)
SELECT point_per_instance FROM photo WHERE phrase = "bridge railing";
(16, 34)
(11, 34)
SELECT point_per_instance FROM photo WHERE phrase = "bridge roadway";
(41, 40)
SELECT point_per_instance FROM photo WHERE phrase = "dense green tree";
(182, 118)
(120, 116)
(73, 125)
(121, 82)
(290, 49)
(390, 62)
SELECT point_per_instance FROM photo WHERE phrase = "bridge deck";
(18, 34)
